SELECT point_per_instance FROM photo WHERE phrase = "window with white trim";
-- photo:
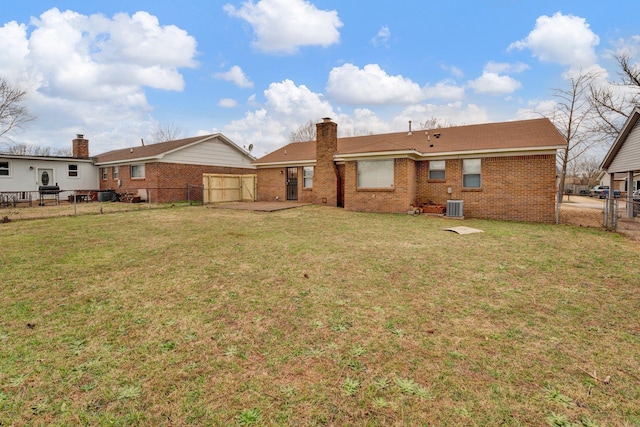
(437, 169)
(137, 171)
(103, 172)
(375, 173)
(72, 170)
(471, 173)
(307, 176)
(5, 168)
(115, 173)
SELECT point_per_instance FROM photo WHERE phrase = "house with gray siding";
(624, 157)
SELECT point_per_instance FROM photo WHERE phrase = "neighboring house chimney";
(80, 147)
(325, 176)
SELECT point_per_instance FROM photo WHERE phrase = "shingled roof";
(158, 150)
(524, 135)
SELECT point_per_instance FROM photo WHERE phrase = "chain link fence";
(618, 214)
(17, 205)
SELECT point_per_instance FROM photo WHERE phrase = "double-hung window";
(307, 175)
(73, 170)
(375, 173)
(471, 173)
(437, 169)
(137, 171)
(114, 172)
(5, 169)
(103, 173)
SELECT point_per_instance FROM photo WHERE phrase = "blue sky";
(256, 70)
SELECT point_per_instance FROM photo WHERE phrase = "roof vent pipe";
(409, 134)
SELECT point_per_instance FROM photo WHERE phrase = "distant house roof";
(620, 140)
(517, 136)
(150, 152)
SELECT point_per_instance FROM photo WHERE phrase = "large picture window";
(307, 174)
(437, 169)
(5, 168)
(375, 173)
(137, 171)
(471, 173)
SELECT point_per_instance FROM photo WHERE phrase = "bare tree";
(572, 117)
(167, 132)
(435, 123)
(304, 133)
(13, 113)
(22, 149)
(614, 103)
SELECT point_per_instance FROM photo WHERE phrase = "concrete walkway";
(257, 206)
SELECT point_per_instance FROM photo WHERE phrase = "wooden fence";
(229, 188)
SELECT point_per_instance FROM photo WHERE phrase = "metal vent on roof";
(455, 208)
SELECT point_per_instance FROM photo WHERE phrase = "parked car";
(598, 190)
(602, 192)
(635, 196)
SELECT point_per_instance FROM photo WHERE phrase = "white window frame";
(73, 173)
(439, 169)
(307, 176)
(115, 172)
(103, 173)
(138, 167)
(471, 168)
(7, 169)
(376, 173)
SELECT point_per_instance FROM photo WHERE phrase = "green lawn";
(315, 316)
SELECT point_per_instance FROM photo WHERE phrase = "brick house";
(504, 171)
(162, 172)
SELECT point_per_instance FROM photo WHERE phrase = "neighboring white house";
(26, 174)
(623, 157)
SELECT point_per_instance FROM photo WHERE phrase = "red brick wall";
(394, 200)
(164, 182)
(518, 188)
(325, 178)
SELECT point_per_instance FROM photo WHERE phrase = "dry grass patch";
(315, 316)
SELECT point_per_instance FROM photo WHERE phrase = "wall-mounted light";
(30, 168)
(281, 172)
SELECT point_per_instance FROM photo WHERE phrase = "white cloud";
(370, 85)
(505, 67)
(382, 38)
(286, 107)
(236, 76)
(563, 39)
(455, 114)
(455, 71)
(494, 84)
(87, 74)
(283, 26)
(227, 103)
(445, 90)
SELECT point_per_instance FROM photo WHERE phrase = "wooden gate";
(229, 188)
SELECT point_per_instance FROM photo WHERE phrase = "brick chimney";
(325, 176)
(80, 147)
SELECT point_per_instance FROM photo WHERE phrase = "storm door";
(45, 177)
(292, 183)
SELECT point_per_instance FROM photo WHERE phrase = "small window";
(103, 172)
(137, 171)
(375, 173)
(471, 173)
(4, 168)
(115, 173)
(73, 171)
(437, 169)
(307, 174)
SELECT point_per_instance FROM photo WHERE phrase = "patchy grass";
(315, 316)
